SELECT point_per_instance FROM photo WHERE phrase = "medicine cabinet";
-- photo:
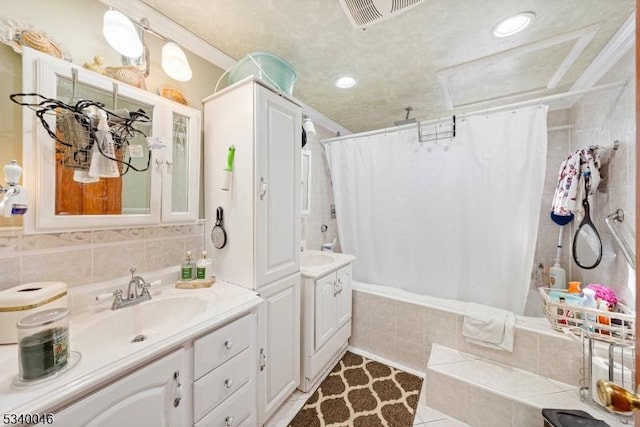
(306, 182)
(166, 152)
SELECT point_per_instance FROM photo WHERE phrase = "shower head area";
(406, 119)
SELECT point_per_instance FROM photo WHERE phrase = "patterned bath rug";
(360, 392)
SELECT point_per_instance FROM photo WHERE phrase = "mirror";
(128, 194)
(306, 182)
(587, 246)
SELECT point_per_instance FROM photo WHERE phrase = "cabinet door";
(179, 164)
(325, 309)
(278, 145)
(279, 344)
(343, 297)
(144, 398)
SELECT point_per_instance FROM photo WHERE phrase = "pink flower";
(605, 294)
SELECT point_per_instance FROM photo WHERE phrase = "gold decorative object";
(128, 74)
(173, 94)
(617, 399)
(96, 65)
(18, 34)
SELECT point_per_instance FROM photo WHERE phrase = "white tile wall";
(80, 258)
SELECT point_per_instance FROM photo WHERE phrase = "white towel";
(489, 326)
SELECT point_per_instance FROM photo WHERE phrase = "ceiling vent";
(363, 13)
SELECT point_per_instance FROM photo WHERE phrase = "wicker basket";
(611, 326)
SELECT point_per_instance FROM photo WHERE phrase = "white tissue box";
(21, 301)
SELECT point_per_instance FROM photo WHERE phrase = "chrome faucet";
(137, 291)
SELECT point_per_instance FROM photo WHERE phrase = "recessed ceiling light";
(513, 24)
(345, 82)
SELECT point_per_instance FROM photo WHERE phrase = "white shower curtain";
(453, 219)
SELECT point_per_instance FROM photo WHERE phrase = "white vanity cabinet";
(225, 366)
(151, 396)
(326, 319)
(166, 192)
(261, 212)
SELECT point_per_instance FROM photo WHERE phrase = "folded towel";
(489, 326)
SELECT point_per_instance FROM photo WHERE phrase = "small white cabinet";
(279, 343)
(151, 396)
(164, 189)
(326, 319)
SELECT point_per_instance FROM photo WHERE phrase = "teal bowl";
(272, 70)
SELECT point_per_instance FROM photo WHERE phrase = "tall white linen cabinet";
(261, 216)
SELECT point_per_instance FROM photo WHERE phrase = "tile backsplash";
(85, 257)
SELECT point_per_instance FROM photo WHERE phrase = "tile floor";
(425, 417)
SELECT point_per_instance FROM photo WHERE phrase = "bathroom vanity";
(197, 366)
(326, 312)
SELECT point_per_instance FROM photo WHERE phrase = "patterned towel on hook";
(570, 190)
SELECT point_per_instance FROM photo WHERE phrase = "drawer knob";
(228, 344)
(228, 383)
(229, 421)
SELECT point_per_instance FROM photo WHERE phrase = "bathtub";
(400, 327)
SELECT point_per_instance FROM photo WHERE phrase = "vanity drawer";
(216, 386)
(221, 345)
(235, 411)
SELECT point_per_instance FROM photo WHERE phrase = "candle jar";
(43, 343)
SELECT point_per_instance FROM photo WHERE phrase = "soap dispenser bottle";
(202, 267)
(187, 267)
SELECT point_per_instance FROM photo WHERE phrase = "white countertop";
(100, 364)
(319, 270)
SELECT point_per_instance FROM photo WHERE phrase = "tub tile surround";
(81, 258)
(538, 350)
(462, 379)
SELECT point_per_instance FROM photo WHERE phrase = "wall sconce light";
(308, 126)
(126, 36)
(174, 62)
(121, 34)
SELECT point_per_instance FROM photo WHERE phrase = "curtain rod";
(485, 111)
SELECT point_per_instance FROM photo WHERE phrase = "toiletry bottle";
(604, 319)
(589, 301)
(574, 287)
(187, 267)
(557, 276)
(202, 266)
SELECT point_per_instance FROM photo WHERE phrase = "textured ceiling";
(404, 61)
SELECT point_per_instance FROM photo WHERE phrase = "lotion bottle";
(557, 276)
(202, 266)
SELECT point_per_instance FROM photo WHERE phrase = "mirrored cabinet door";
(180, 162)
(306, 182)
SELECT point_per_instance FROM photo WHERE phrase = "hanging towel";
(489, 326)
(570, 191)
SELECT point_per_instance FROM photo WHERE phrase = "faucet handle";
(132, 270)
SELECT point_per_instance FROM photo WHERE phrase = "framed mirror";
(587, 246)
(306, 182)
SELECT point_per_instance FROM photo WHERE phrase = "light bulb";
(174, 62)
(308, 126)
(121, 34)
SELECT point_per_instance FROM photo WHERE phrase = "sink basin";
(137, 323)
(313, 259)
